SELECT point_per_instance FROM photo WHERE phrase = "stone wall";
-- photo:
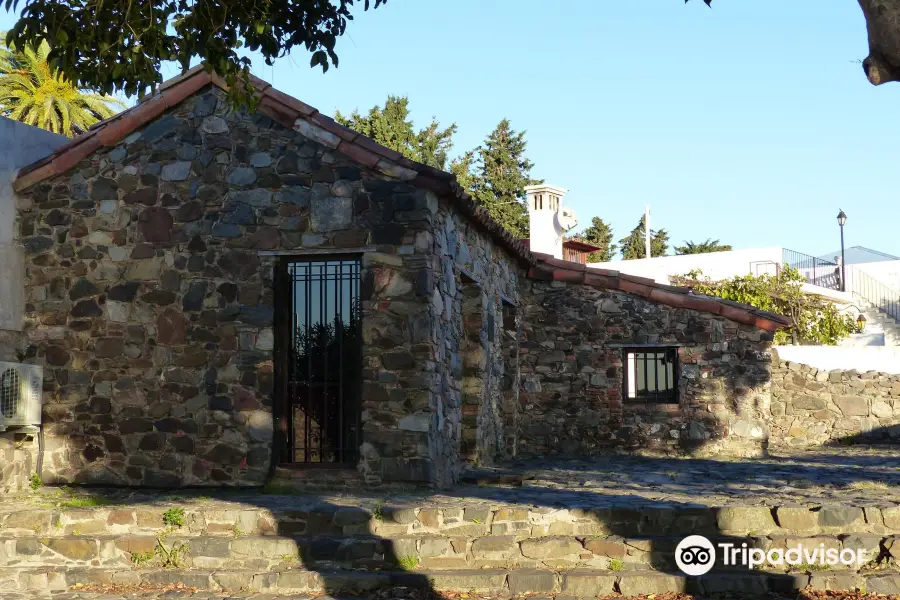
(571, 368)
(150, 300)
(812, 407)
(18, 460)
(473, 280)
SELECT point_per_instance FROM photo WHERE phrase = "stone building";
(217, 297)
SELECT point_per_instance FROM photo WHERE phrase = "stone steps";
(579, 583)
(306, 518)
(432, 552)
(298, 544)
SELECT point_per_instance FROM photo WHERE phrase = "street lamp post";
(842, 218)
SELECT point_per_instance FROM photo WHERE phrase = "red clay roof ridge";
(553, 269)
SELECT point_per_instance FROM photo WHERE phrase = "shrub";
(814, 319)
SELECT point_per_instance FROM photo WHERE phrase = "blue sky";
(751, 122)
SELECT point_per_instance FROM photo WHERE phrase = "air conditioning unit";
(20, 395)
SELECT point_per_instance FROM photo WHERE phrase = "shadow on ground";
(672, 496)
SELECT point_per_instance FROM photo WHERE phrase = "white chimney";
(548, 220)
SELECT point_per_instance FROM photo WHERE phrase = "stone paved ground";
(839, 475)
(828, 475)
(387, 595)
(406, 595)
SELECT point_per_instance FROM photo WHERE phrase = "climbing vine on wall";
(815, 319)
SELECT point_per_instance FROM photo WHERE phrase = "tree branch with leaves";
(119, 45)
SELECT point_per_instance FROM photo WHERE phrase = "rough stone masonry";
(151, 302)
(812, 407)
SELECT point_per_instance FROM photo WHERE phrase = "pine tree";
(633, 245)
(599, 234)
(462, 167)
(496, 174)
(391, 127)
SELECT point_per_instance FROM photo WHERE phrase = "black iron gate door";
(322, 367)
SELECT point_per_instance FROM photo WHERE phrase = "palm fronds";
(34, 92)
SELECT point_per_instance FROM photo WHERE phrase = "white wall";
(887, 272)
(715, 265)
(865, 358)
(20, 145)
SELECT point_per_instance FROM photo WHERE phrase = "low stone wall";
(812, 407)
(311, 547)
(472, 534)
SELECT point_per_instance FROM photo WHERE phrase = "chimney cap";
(543, 187)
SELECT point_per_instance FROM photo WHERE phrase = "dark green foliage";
(391, 127)
(599, 234)
(463, 167)
(119, 44)
(321, 348)
(496, 174)
(709, 245)
(633, 245)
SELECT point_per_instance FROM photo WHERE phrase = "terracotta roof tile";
(552, 269)
(540, 274)
(302, 108)
(179, 78)
(277, 112)
(606, 281)
(332, 126)
(666, 297)
(568, 276)
(376, 148)
(636, 279)
(359, 154)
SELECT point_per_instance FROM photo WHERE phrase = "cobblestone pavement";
(169, 595)
(858, 475)
(177, 595)
(840, 475)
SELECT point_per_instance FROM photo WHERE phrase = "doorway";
(319, 361)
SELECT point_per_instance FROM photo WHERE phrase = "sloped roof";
(855, 255)
(290, 113)
(571, 244)
(299, 116)
(552, 269)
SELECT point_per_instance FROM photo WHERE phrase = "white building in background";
(715, 265)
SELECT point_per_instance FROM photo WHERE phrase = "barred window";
(651, 375)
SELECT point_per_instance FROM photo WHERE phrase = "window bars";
(651, 375)
(324, 361)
